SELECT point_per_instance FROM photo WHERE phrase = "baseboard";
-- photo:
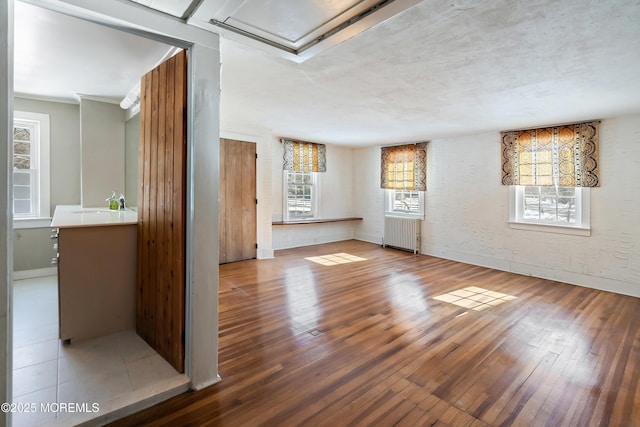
(317, 240)
(371, 238)
(578, 279)
(206, 384)
(265, 253)
(39, 272)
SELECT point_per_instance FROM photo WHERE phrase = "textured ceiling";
(441, 68)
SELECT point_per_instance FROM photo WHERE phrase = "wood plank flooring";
(375, 342)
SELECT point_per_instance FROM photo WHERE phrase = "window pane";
(21, 192)
(22, 207)
(550, 204)
(21, 148)
(21, 161)
(21, 134)
(21, 178)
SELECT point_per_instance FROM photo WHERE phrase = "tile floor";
(114, 371)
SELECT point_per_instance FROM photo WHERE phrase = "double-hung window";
(565, 209)
(30, 169)
(405, 203)
(301, 195)
(549, 172)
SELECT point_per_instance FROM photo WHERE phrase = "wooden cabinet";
(96, 280)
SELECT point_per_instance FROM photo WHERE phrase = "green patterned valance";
(404, 167)
(565, 156)
(304, 156)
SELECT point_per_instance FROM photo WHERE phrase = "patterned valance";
(404, 167)
(304, 156)
(566, 156)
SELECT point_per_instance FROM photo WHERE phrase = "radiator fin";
(402, 233)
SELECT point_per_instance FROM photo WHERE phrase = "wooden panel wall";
(160, 306)
(238, 231)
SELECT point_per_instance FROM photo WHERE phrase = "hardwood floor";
(375, 342)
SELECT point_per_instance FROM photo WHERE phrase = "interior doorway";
(238, 216)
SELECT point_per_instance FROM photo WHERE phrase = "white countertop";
(66, 216)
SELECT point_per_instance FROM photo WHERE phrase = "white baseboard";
(371, 238)
(206, 384)
(579, 279)
(39, 272)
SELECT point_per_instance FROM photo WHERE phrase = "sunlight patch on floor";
(335, 259)
(475, 298)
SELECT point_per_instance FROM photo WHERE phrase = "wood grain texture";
(161, 226)
(368, 343)
(238, 216)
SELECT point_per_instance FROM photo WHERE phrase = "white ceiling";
(441, 68)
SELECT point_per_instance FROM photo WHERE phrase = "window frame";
(41, 196)
(314, 197)
(582, 226)
(389, 204)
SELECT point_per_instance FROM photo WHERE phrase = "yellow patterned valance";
(404, 167)
(566, 156)
(304, 156)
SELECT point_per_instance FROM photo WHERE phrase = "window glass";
(300, 195)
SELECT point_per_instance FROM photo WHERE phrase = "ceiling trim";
(149, 23)
(380, 12)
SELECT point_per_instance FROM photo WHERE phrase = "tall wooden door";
(237, 200)
(160, 305)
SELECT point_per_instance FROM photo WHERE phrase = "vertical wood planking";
(161, 247)
(248, 174)
(238, 226)
(179, 153)
(168, 193)
(161, 283)
(222, 217)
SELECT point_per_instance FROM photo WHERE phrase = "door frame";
(203, 116)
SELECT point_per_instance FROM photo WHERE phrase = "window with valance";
(300, 156)
(562, 156)
(404, 167)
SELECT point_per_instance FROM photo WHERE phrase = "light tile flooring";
(114, 371)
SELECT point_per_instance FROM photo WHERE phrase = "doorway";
(238, 217)
(110, 371)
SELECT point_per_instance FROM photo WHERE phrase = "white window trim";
(388, 211)
(43, 216)
(315, 200)
(582, 227)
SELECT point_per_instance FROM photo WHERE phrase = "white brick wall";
(467, 211)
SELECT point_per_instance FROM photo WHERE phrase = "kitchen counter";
(68, 216)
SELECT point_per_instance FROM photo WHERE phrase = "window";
(300, 190)
(562, 208)
(405, 203)
(30, 169)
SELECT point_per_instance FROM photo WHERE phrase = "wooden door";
(160, 306)
(237, 200)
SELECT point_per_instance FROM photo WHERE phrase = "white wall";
(467, 212)
(335, 201)
(102, 153)
(131, 144)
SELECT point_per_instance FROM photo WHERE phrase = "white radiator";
(402, 233)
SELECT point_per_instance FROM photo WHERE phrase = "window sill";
(20, 223)
(314, 221)
(550, 228)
